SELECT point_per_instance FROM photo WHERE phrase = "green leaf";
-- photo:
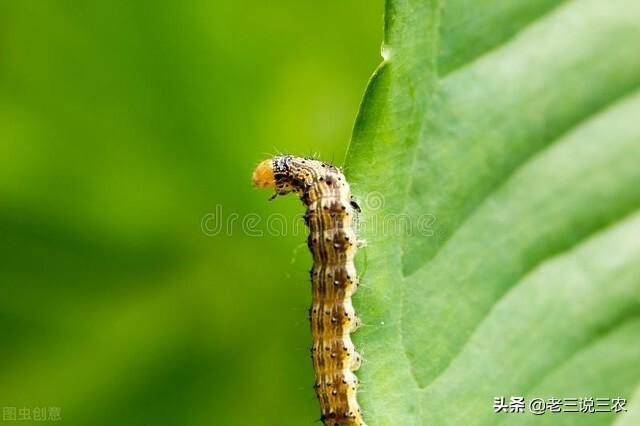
(506, 135)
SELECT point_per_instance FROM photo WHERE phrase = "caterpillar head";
(281, 173)
(263, 175)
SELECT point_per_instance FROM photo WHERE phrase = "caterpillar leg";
(356, 324)
(356, 362)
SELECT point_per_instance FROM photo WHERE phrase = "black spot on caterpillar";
(330, 217)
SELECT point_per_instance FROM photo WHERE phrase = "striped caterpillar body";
(330, 217)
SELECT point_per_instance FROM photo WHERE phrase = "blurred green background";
(122, 125)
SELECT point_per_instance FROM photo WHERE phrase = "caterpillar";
(330, 216)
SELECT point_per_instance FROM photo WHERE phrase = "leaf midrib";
(551, 141)
(568, 128)
(414, 159)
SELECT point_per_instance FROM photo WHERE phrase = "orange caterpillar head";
(263, 175)
(285, 173)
